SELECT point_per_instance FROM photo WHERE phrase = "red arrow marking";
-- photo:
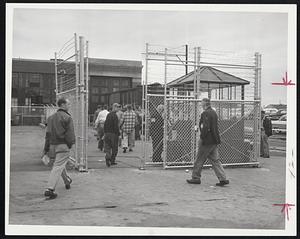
(285, 81)
(285, 208)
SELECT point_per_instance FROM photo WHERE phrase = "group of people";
(129, 123)
(60, 138)
(119, 127)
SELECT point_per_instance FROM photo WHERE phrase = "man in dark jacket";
(157, 133)
(111, 136)
(60, 136)
(207, 148)
(266, 131)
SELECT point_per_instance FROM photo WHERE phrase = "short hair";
(105, 107)
(115, 105)
(99, 106)
(129, 107)
(207, 101)
(263, 112)
(160, 108)
(61, 101)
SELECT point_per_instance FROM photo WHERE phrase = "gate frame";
(81, 98)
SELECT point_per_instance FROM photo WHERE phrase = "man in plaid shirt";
(128, 123)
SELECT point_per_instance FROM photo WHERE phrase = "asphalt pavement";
(123, 195)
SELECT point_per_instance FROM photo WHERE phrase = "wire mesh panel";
(238, 129)
(181, 134)
(237, 122)
(153, 131)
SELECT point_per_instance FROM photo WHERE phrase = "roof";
(209, 75)
(114, 62)
(47, 66)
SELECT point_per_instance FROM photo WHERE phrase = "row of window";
(33, 80)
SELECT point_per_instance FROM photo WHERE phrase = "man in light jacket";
(128, 124)
(99, 125)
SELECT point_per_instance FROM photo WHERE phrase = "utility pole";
(186, 59)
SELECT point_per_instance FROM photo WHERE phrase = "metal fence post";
(81, 120)
(145, 109)
(55, 75)
(76, 100)
(86, 126)
(165, 139)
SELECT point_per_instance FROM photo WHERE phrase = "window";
(124, 83)
(95, 90)
(15, 80)
(14, 102)
(34, 80)
(95, 98)
(104, 90)
(116, 83)
(116, 89)
(27, 101)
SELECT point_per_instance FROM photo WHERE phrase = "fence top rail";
(29, 106)
(212, 101)
(173, 96)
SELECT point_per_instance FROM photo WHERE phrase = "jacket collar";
(63, 111)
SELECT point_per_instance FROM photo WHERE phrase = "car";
(279, 126)
(277, 115)
(269, 111)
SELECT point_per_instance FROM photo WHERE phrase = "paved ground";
(126, 196)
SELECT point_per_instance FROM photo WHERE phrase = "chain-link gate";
(238, 128)
(71, 75)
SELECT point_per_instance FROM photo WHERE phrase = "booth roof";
(209, 75)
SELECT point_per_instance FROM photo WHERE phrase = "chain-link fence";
(178, 78)
(30, 115)
(172, 135)
(238, 128)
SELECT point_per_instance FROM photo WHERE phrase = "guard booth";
(235, 96)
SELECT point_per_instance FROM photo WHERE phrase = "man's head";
(263, 113)
(99, 107)
(115, 107)
(205, 103)
(105, 107)
(64, 103)
(160, 109)
(129, 107)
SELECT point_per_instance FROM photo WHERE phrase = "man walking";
(99, 108)
(266, 132)
(111, 136)
(99, 124)
(207, 148)
(157, 133)
(128, 126)
(60, 136)
(120, 117)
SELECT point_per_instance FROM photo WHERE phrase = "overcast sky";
(114, 34)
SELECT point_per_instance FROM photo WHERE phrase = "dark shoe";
(107, 161)
(124, 150)
(222, 183)
(194, 181)
(114, 163)
(130, 150)
(68, 185)
(50, 194)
